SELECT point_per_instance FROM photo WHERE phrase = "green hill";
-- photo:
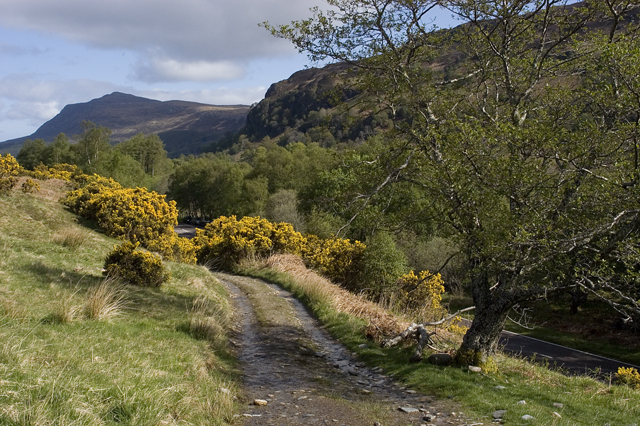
(78, 349)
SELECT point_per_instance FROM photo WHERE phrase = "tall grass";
(72, 238)
(106, 300)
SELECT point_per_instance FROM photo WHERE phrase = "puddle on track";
(307, 378)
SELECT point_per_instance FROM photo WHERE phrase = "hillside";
(185, 127)
(71, 354)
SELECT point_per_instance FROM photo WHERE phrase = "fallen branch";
(419, 331)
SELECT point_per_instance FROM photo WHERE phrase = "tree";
(521, 125)
(31, 153)
(93, 141)
(148, 150)
(59, 151)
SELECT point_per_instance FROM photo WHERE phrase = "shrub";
(173, 247)
(337, 259)
(134, 214)
(135, 266)
(66, 172)
(381, 265)
(628, 376)
(422, 294)
(29, 186)
(9, 170)
(226, 241)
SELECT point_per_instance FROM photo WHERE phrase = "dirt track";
(306, 378)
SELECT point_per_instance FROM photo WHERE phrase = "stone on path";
(408, 409)
(499, 414)
(260, 402)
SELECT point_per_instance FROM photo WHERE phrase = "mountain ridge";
(185, 127)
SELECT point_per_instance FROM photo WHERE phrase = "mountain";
(184, 127)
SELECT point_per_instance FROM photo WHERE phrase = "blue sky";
(54, 53)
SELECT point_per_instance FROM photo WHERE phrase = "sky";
(54, 53)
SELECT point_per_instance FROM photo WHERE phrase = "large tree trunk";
(481, 340)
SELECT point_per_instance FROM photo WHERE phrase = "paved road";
(187, 231)
(572, 360)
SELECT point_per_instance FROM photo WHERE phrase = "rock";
(527, 417)
(351, 370)
(440, 359)
(363, 346)
(523, 402)
(408, 409)
(499, 414)
(558, 405)
(475, 369)
(499, 387)
(429, 418)
(410, 391)
(259, 402)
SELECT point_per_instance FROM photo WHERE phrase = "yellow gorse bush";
(335, 258)
(9, 171)
(134, 214)
(66, 172)
(628, 376)
(422, 292)
(29, 186)
(226, 241)
(135, 266)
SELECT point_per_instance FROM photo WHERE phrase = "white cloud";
(189, 32)
(221, 96)
(166, 69)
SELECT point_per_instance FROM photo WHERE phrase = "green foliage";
(32, 153)
(136, 267)
(120, 167)
(92, 143)
(381, 265)
(147, 150)
(283, 207)
(531, 167)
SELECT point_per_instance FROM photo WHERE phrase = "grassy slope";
(141, 367)
(586, 401)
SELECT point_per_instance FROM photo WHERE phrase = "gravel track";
(304, 377)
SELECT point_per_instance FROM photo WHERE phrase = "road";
(571, 360)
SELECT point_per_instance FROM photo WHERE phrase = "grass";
(79, 349)
(584, 400)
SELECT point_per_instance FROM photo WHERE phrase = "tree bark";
(492, 307)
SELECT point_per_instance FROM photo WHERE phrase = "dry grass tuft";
(318, 288)
(207, 320)
(105, 301)
(66, 311)
(70, 237)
